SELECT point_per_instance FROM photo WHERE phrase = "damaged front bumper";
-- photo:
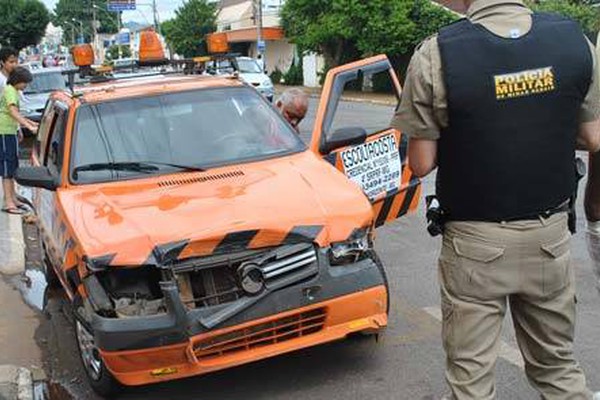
(315, 305)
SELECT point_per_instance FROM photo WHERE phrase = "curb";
(12, 247)
(12, 244)
(20, 379)
(314, 95)
(25, 385)
(357, 100)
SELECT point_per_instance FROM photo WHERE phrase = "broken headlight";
(351, 250)
(125, 292)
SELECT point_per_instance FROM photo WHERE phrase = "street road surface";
(406, 363)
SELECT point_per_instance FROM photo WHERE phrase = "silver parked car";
(45, 81)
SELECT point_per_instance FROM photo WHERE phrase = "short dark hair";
(8, 52)
(19, 75)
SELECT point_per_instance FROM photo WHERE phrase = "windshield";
(248, 66)
(201, 128)
(45, 83)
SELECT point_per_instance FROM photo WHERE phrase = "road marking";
(507, 352)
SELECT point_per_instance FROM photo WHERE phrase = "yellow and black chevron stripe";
(396, 205)
(232, 242)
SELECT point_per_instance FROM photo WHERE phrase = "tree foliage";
(113, 52)
(579, 10)
(23, 22)
(82, 11)
(186, 32)
(342, 30)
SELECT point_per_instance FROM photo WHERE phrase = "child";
(10, 118)
(8, 62)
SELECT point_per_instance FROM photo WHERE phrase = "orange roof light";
(151, 49)
(217, 43)
(83, 55)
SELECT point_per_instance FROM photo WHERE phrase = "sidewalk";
(358, 97)
(18, 322)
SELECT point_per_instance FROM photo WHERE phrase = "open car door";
(369, 152)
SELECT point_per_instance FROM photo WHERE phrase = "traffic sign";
(261, 45)
(121, 5)
(123, 38)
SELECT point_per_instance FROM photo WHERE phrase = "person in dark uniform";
(592, 206)
(592, 211)
(499, 102)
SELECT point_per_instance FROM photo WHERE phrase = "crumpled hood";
(228, 209)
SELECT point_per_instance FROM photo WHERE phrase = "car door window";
(45, 124)
(374, 79)
(55, 143)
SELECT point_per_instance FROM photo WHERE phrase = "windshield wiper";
(187, 168)
(117, 166)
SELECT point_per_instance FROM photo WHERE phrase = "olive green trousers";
(525, 267)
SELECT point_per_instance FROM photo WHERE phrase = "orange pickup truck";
(194, 231)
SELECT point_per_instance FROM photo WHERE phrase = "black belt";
(564, 207)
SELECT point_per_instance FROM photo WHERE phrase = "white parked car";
(249, 71)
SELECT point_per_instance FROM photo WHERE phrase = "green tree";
(113, 52)
(327, 27)
(23, 22)
(83, 11)
(579, 10)
(186, 33)
(343, 30)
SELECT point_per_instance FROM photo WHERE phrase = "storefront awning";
(250, 34)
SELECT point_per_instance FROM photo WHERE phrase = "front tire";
(99, 377)
(381, 268)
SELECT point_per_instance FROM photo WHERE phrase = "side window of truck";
(55, 144)
(44, 129)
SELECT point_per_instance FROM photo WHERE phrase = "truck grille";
(299, 258)
(217, 280)
(263, 334)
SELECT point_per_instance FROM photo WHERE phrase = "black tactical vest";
(513, 108)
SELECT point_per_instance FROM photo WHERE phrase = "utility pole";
(119, 34)
(155, 14)
(95, 32)
(260, 50)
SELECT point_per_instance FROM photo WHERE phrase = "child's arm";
(14, 112)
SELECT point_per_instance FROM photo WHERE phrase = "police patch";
(524, 83)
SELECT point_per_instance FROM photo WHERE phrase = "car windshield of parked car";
(206, 128)
(46, 83)
(248, 66)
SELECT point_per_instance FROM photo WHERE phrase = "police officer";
(592, 206)
(499, 101)
(592, 211)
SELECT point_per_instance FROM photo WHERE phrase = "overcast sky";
(144, 13)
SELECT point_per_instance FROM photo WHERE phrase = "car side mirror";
(345, 137)
(39, 177)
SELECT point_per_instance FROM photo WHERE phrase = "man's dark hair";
(19, 75)
(7, 52)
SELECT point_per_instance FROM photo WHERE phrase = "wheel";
(381, 268)
(100, 379)
(377, 332)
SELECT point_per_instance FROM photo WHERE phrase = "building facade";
(239, 19)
